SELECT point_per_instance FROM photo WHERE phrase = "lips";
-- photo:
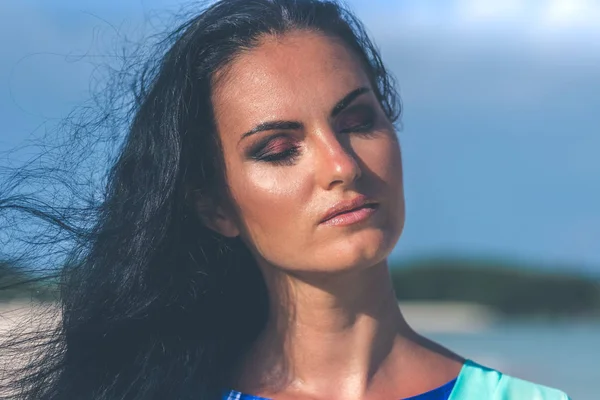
(349, 206)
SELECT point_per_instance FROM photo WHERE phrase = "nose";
(336, 163)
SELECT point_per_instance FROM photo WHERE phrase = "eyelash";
(285, 157)
(367, 128)
(288, 156)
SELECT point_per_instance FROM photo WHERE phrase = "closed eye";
(285, 157)
(277, 149)
(357, 119)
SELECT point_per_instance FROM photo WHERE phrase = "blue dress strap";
(440, 393)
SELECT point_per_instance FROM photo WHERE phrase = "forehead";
(285, 76)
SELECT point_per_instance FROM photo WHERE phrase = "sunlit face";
(302, 131)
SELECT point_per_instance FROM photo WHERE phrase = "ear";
(217, 218)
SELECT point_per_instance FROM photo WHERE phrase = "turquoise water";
(561, 355)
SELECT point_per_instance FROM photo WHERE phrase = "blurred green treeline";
(509, 288)
(506, 287)
(18, 283)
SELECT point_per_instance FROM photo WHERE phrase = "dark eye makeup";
(356, 119)
(283, 149)
(277, 149)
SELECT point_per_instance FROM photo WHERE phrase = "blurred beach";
(564, 354)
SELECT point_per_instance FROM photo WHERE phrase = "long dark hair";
(154, 305)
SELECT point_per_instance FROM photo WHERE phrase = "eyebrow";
(295, 125)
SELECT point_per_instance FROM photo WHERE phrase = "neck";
(328, 332)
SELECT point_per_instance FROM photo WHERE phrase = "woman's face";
(304, 136)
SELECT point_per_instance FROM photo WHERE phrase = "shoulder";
(477, 382)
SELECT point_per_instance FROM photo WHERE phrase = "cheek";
(382, 164)
(270, 201)
(394, 164)
(381, 158)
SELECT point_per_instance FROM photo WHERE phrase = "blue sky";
(501, 126)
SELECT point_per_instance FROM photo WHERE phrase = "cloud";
(538, 21)
(561, 14)
(486, 53)
(476, 12)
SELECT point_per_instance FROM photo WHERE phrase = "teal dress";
(474, 382)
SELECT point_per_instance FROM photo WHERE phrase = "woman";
(240, 250)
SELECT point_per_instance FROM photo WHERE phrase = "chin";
(362, 250)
